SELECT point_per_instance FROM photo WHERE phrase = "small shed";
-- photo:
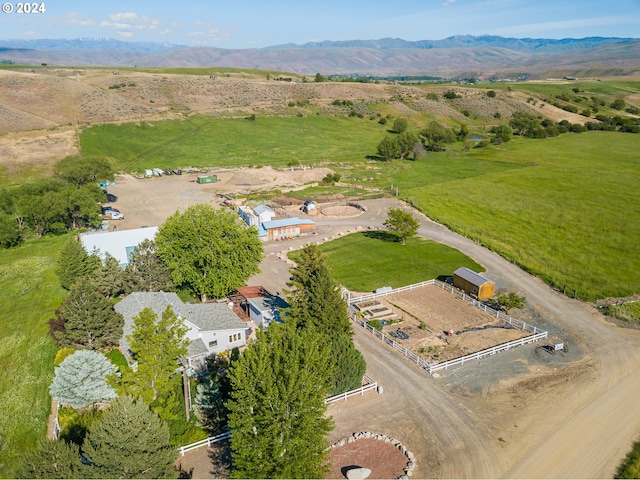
(473, 283)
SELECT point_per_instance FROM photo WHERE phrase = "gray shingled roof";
(471, 276)
(204, 317)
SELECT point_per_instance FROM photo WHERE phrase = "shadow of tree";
(382, 235)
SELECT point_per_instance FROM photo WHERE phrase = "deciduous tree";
(401, 223)
(82, 379)
(400, 125)
(157, 346)
(436, 136)
(208, 251)
(277, 410)
(130, 441)
(388, 148)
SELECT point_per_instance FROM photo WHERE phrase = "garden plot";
(441, 326)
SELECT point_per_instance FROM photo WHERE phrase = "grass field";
(29, 296)
(365, 261)
(209, 142)
(566, 209)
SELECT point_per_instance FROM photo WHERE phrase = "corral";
(437, 326)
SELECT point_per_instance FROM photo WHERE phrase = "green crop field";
(566, 209)
(29, 296)
(365, 261)
(209, 142)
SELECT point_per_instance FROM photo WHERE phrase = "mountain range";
(459, 55)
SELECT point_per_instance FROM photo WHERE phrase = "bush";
(375, 324)
(62, 354)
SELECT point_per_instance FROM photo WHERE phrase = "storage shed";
(473, 283)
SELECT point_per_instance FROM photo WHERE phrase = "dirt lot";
(149, 201)
(471, 329)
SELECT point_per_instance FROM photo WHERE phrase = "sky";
(262, 23)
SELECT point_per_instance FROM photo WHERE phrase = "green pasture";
(567, 209)
(209, 142)
(29, 296)
(365, 261)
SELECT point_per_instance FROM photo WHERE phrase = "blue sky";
(254, 24)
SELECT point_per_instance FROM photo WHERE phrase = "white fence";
(371, 384)
(206, 442)
(537, 333)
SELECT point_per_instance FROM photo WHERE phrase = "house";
(119, 244)
(285, 228)
(473, 283)
(213, 327)
(265, 213)
(261, 306)
(257, 216)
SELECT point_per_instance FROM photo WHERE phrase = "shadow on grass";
(383, 236)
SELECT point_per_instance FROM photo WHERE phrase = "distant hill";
(478, 56)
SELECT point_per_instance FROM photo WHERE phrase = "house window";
(213, 343)
(230, 338)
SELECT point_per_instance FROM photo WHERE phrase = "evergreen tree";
(348, 363)
(209, 405)
(109, 277)
(89, 319)
(73, 263)
(316, 301)
(157, 346)
(276, 409)
(208, 251)
(130, 441)
(82, 379)
(145, 272)
(436, 136)
(52, 459)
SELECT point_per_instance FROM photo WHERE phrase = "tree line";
(69, 200)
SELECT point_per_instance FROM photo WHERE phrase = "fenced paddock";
(533, 333)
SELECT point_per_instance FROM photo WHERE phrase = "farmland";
(562, 208)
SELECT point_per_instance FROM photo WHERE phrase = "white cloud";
(449, 2)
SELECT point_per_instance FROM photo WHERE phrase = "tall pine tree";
(74, 263)
(276, 409)
(316, 300)
(145, 272)
(130, 441)
(89, 319)
(53, 459)
(317, 303)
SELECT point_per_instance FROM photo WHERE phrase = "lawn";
(29, 296)
(209, 142)
(365, 261)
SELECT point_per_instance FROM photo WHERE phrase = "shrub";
(375, 324)
(62, 354)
